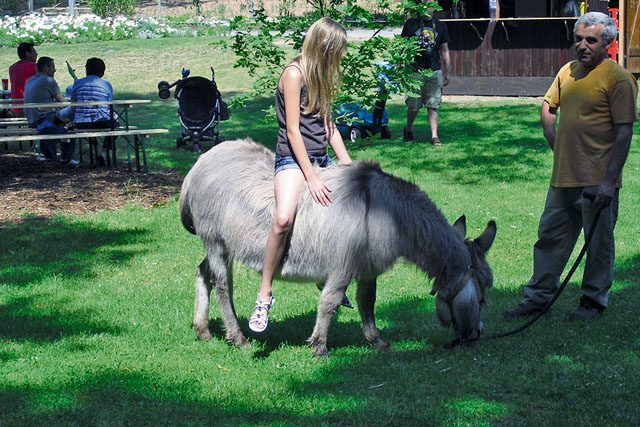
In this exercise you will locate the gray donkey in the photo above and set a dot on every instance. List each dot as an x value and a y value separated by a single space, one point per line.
227 200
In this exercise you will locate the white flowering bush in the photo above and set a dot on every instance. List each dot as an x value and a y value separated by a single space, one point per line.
75 29
200 25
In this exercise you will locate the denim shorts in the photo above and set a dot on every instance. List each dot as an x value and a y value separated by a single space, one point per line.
288 162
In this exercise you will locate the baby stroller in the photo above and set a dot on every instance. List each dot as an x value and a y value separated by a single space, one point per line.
200 108
354 121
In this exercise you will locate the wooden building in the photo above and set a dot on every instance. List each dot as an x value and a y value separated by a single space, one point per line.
520 49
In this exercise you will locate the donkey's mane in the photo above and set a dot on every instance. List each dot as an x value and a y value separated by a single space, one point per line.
433 241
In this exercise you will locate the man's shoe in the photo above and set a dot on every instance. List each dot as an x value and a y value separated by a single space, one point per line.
585 313
522 310
436 141
42 158
407 135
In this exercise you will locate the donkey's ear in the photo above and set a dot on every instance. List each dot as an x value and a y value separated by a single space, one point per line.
485 240
460 226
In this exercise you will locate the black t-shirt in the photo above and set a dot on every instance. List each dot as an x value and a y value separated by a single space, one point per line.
431 33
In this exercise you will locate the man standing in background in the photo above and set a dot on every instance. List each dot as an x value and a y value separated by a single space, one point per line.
433 39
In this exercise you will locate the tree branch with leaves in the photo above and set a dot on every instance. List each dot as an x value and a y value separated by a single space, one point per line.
260 42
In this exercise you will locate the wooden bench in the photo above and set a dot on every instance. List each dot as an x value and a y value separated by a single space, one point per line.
13 123
20 131
134 137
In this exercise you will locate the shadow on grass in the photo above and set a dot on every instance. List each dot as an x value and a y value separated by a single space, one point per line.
293 331
529 377
35 249
39 253
20 320
628 270
121 398
473 151
414 319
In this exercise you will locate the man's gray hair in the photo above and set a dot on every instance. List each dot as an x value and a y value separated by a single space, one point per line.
594 18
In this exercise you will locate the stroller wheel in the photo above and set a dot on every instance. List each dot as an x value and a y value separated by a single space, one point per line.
385 132
354 135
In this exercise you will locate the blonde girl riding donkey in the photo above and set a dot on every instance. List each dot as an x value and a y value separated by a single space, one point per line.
304 96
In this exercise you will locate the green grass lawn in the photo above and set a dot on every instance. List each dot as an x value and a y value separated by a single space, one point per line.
95 310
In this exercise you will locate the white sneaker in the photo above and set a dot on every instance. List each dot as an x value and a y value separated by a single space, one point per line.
41 158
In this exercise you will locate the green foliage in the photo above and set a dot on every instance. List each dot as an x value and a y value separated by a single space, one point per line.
260 46
112 7
95 310
198 6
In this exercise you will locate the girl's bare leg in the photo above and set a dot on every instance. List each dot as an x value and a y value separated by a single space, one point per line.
288 185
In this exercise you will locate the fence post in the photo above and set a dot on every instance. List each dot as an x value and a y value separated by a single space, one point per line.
72 7
159 9
30 6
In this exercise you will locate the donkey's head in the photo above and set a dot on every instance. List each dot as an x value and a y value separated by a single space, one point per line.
459 304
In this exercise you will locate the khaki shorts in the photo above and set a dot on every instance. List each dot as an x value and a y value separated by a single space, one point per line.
430 92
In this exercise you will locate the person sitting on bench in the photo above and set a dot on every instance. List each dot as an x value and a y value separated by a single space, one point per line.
43 88
22 71
94 88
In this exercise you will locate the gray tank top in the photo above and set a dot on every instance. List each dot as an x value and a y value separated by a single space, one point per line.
312 128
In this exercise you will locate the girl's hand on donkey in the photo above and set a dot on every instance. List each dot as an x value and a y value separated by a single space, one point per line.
320 191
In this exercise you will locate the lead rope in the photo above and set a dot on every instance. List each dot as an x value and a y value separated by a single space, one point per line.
546 308
574 267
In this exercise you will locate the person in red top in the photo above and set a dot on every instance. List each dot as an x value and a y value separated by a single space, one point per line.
22 71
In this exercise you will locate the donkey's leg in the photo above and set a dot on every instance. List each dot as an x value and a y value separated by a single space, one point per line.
221 271
215 273
346 302
366 302
202 295
330 299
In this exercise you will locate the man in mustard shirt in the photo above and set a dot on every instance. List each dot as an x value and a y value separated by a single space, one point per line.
597 100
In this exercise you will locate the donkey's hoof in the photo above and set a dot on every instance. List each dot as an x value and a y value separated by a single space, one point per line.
240 341
380 344
321 353
203 333
319 347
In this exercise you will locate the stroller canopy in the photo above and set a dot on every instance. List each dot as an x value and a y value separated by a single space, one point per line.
197 101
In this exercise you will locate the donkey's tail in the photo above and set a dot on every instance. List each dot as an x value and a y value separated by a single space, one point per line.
185 214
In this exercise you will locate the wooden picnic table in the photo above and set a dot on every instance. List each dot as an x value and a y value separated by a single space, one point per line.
122 113
119 126
134 137
117 102
11 120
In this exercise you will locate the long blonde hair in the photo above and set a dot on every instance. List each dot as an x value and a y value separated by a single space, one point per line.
324 46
